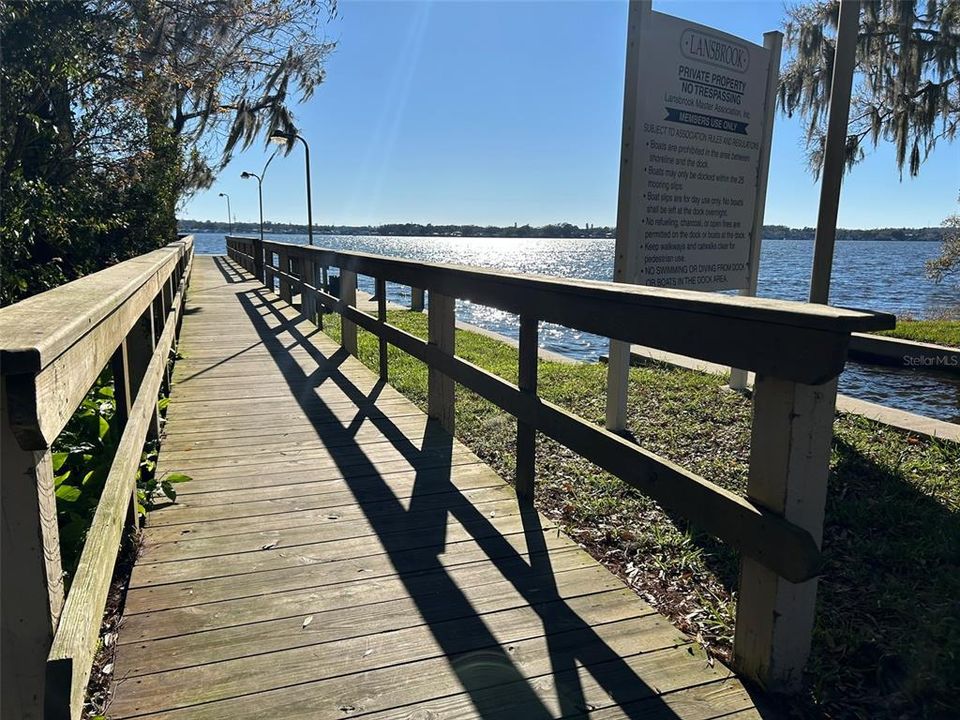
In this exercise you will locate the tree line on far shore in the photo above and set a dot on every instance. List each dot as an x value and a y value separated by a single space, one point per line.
557 230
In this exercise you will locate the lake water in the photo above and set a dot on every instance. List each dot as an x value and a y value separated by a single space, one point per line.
887 276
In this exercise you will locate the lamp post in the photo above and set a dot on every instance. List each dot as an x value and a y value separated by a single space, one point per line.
247 175
258 253
263 173
287 137
229 214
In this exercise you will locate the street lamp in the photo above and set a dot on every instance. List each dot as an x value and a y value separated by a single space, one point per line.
280 136
263 173
246 176
229 214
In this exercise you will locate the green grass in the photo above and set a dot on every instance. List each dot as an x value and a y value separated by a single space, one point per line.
939 332
887 641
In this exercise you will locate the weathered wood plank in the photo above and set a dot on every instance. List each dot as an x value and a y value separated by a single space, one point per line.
250 534
342 562
169 690
274 549
31 575
201 511
278 607
789 466
441 321
355 616
526 433
218 479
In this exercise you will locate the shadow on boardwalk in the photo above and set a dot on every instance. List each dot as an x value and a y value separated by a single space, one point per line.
484 667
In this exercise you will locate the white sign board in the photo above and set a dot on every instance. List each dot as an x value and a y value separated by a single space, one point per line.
702 99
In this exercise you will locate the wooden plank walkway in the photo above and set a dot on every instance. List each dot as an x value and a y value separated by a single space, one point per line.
337 555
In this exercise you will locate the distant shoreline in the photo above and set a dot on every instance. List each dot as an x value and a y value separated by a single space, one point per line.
547 232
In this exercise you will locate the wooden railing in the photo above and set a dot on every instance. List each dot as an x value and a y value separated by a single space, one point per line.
52 348
797 351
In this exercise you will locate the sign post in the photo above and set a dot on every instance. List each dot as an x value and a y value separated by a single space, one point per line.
834 154
773 42
692 168
628 210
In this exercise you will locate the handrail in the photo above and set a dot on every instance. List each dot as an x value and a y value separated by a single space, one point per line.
62 338
797 341
52 348
797 350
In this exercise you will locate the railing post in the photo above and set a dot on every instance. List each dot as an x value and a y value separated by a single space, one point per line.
381 293
31 576
527 434
789 466
258 259
416 299
307 300
348 294
140 347
320 280
441 329
284 263
268 270
295 268
159 318
124 392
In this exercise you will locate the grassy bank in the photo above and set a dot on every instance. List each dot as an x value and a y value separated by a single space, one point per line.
887 642
939 332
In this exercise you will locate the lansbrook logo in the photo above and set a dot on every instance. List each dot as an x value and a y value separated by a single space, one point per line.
704 47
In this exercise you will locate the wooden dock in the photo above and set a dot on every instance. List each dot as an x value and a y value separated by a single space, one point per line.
337 555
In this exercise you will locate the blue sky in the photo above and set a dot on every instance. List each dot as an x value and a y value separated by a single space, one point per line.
503 112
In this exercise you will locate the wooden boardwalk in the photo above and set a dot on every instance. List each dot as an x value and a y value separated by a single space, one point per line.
337 555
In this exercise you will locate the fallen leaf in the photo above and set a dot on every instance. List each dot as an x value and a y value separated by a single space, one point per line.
270 546
306 621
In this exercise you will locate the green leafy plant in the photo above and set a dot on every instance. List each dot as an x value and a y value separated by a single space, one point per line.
82 456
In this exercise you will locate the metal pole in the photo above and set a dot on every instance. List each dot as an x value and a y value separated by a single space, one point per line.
309 196
773 42
260 193
834 156
229 213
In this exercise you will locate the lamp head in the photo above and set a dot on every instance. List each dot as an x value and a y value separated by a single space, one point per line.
245 175
223 195
278 137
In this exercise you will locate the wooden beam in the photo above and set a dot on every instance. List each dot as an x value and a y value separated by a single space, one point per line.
348 293
441 328
286 291
789 465
416 299
31 577
527 434
381 293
